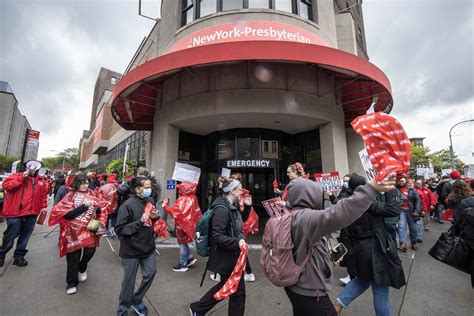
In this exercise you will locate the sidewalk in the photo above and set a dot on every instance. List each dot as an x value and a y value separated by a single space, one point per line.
39 289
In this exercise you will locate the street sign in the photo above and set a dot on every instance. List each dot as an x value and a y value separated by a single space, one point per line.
170 184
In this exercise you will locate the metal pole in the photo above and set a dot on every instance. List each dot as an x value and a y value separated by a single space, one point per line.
23 152
63 164
451 150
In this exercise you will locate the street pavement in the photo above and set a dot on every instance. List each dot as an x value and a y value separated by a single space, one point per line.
39 289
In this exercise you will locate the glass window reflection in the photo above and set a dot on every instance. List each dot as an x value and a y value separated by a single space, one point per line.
232 4
208 7
284 5
259 4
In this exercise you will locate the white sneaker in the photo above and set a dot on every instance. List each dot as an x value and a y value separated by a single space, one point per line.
82 276
345 280
215 277
71 290
249 277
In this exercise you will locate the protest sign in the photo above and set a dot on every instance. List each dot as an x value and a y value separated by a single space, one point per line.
225 172
329 181
425 172
370 172
272 207
185 172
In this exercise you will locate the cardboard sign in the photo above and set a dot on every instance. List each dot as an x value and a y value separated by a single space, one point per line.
329 181
425 172
370 172
445 172
226 172
272 208
185 172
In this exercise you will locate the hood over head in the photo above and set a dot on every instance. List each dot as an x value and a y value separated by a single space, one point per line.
305 193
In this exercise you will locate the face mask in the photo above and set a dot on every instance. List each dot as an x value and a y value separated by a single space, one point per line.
345 185
146 193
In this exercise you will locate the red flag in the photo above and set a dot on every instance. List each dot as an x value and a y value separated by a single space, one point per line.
251 224
275 184
386 142
233 281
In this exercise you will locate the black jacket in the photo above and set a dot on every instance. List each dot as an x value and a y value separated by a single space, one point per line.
466 220
226 231
372 254
136 239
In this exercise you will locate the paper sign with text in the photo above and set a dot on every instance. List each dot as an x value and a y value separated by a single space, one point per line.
330 181
370 172
185 172
272 208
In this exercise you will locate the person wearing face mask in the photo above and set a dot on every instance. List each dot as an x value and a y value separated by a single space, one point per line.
137 246
79 215
345 192
410 211
26 196
227 239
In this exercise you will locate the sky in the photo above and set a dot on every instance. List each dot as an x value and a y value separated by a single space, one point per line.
51 53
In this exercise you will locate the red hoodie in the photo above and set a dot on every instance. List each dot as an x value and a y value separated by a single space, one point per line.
24 196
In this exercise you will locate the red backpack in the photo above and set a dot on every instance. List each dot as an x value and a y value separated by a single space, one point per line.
276 259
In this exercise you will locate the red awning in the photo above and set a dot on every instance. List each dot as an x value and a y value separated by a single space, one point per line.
357 80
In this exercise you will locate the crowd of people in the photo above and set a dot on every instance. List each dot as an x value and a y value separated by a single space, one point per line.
373 221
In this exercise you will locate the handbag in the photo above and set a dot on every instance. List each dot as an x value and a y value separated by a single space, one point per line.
42 217
452 250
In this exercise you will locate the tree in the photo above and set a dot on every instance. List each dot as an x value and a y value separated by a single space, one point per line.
116 166
52 162
442 160
6 163
420 156
71 156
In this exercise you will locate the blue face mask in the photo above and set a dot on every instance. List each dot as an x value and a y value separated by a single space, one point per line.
345 185
146 193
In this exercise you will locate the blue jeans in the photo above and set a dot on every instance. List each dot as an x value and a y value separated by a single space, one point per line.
184 254
17 226
406 222
420 228
358 286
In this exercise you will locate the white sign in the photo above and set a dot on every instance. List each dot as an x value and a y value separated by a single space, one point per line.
367 164
425 172
185 172
226 172
445 172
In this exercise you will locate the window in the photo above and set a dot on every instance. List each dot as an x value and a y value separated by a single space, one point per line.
226 148
113 80
259 4
195 9
247 148
270 149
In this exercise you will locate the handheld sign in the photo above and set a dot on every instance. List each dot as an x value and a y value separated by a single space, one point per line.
370 172
329 181
185 172
226 172
272 207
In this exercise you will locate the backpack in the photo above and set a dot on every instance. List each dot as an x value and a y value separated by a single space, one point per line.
277 259
202 238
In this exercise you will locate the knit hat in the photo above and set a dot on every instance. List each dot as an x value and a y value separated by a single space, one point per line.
455 175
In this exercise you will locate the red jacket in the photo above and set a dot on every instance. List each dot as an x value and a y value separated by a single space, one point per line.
24 196
425 197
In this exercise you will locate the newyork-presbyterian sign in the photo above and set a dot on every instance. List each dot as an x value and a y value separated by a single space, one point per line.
247 31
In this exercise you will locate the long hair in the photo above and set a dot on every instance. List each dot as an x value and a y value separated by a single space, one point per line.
78 180
460 191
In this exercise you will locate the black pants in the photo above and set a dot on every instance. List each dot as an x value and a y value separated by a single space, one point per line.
77 264
236 300
310 305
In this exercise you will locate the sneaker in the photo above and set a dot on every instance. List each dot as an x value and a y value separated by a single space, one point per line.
249 277
71 290
345 280
180 268
215 277
419 241
140 309
192 261
193 313
20 262
111 232
413 246
83 276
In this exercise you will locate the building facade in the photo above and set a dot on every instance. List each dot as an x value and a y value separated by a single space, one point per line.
251 85
13 126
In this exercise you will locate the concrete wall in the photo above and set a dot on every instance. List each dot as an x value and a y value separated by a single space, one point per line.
354 145
346 33
7 109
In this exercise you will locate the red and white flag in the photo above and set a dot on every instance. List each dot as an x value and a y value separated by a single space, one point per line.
230 287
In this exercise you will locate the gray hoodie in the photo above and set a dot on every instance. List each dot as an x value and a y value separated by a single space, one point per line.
311 224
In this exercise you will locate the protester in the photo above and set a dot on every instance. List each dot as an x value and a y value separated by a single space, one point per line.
460 192
427 205
293 172
372 259
226 241
2 197
79 215
309 296
464 224
186 214
344 191
137 246
410 212
438 207
26 196
63 189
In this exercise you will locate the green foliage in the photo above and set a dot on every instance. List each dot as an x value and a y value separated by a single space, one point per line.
440 159
6 163
52 162
116 166
71 156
